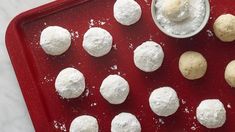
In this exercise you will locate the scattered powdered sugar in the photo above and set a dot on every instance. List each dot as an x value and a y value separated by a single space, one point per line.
209 33
183 101
74 34
229 106
186 110
114 67
93 104
193 128
115 46
87 92
131 46
60 126
197 11
91 23
161 121
101 22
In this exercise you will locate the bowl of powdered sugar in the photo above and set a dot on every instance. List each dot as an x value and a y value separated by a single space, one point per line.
180 18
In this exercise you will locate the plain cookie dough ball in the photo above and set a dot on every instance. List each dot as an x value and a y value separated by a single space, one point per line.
224 27
70 83
192 65
127 12
176 10
125 122
55 40
97 42
84 123
164 101
149 56
211 113
114 89
229 73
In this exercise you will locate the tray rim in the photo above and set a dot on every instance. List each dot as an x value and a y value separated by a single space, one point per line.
37 112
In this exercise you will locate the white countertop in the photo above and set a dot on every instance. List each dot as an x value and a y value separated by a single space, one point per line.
14 115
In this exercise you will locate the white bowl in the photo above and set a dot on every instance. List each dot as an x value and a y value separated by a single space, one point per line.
207 15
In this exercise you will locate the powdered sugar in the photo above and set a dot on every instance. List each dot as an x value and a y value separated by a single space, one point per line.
164 101
197 12
125 122
97 41
114 89
211 113
127 12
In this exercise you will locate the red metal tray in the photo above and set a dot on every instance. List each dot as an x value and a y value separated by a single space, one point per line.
36 71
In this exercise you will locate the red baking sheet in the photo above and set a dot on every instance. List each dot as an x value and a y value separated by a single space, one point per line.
36 71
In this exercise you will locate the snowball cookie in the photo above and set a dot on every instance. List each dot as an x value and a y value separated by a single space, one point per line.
211 113
127 12
84 123
192 65
224 27
125 122
229 73
176 10
55 40
70 83
97 42
148 56
114 89
164 101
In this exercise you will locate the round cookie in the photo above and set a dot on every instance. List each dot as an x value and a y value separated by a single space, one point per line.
127 12
192 65
70 83
149 56
164 101
229 73
55 40
211 113
84 123
125 122
114 89
97 42
176 10
224 27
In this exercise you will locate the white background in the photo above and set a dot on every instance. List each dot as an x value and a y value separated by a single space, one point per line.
14 115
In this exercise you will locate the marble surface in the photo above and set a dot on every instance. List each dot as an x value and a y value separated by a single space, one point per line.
14 115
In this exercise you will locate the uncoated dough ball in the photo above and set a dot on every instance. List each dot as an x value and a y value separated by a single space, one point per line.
192 65
148 56
84 123
127 12
164 101
229 73
114 89
211 113
125 122
224 27
97 42
55 40
70 83
176 10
